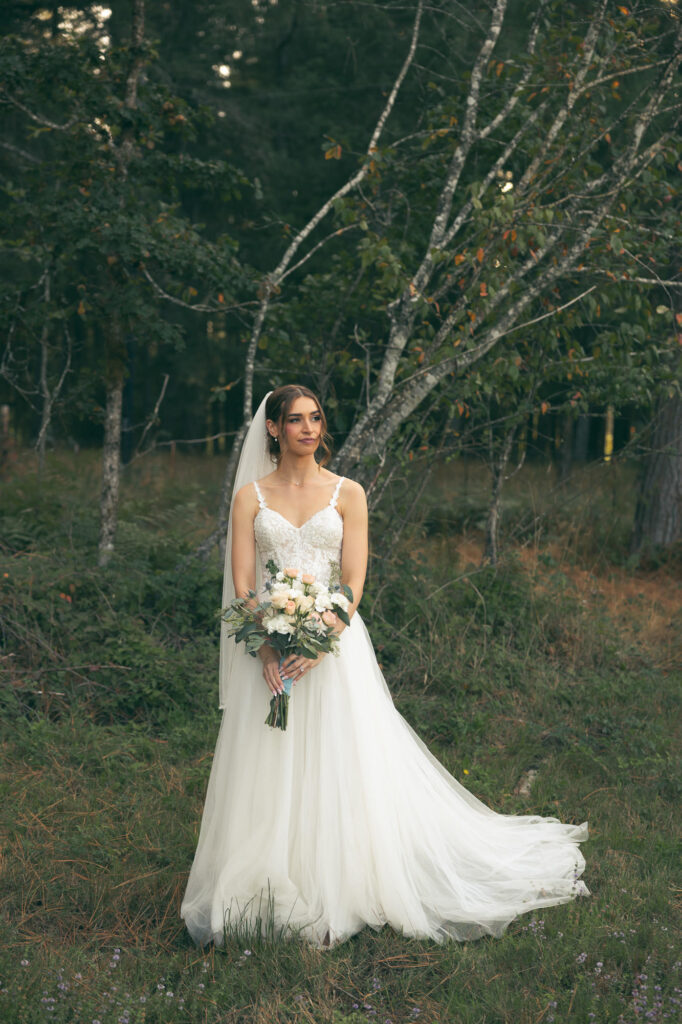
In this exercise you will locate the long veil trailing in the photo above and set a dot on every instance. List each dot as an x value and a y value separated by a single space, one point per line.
255 462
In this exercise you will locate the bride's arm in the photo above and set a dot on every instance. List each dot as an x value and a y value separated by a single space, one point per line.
243 556
243 552
355 542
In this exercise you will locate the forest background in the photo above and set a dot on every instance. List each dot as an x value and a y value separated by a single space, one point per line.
460 226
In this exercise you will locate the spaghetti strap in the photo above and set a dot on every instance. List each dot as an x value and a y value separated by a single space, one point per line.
261 499
335 496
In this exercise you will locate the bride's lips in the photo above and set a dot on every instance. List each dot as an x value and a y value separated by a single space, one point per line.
308 440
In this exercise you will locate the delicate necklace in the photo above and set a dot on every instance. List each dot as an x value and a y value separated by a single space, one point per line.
296 482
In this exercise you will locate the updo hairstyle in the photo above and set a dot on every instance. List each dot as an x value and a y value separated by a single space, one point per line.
277 409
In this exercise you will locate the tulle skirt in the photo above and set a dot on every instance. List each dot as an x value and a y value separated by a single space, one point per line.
346 819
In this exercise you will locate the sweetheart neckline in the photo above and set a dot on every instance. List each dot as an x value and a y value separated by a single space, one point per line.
308 520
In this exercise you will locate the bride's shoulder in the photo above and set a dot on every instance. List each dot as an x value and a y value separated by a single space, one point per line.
351 493
245 497
248 492
349 486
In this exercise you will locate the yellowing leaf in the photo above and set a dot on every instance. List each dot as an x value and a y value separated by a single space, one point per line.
459 258
479 255
544 407
484 288
81 308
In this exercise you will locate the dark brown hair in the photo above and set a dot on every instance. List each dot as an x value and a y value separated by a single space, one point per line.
277 408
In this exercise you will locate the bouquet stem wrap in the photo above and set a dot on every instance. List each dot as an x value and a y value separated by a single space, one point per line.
278 715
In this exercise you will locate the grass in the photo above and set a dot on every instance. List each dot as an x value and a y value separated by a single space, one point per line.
565 660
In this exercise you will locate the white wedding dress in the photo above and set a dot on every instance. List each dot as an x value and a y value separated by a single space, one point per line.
346 819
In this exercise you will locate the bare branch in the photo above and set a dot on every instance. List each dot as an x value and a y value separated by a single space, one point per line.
197 307
39 118
152 419
323 241
575 91
21 152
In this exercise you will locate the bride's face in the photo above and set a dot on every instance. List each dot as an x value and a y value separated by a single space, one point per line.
302 427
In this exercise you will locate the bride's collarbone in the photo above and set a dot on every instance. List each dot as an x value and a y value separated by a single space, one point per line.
299 504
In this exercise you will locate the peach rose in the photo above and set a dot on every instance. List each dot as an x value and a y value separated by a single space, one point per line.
307 578
291 572
290 607
329 618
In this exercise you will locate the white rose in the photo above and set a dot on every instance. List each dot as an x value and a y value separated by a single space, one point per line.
279 576
341 600
322 602
279 596
279 624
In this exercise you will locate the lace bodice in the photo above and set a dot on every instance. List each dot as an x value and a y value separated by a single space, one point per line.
313 547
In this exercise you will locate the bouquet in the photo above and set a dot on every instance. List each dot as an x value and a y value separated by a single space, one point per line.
295 614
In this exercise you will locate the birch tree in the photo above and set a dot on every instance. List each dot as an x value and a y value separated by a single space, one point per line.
509 213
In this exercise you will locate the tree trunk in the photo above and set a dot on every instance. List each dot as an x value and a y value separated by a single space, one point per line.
658 515
492 527
581 445
46 412
566 453
111 467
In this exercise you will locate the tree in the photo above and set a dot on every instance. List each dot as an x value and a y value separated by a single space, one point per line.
526 184
103 227
658 516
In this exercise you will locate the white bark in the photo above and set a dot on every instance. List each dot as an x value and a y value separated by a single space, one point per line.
272 282
111 469
391 403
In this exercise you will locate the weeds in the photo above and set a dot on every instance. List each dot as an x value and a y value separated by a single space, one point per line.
109 721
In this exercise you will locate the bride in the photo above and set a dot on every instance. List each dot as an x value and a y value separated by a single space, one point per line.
345 819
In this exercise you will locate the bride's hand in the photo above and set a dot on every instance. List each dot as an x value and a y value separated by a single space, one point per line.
271 673
295 665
